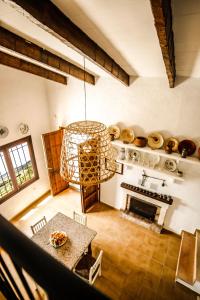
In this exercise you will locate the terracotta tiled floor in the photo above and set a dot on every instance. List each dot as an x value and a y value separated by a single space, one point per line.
137 263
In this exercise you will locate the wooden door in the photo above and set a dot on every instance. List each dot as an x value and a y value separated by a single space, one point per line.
52 143
90 195
88 159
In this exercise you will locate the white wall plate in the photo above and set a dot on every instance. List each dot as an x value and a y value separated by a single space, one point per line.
23 128
3 132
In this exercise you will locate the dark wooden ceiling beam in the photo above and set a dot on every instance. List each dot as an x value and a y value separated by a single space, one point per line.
162 13
54 21
20 64
14 42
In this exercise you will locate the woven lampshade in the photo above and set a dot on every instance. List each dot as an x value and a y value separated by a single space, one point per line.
87 156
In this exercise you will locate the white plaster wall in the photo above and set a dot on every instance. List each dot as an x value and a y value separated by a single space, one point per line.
23 99
147 105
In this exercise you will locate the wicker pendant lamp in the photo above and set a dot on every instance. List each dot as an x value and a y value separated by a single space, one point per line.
87 156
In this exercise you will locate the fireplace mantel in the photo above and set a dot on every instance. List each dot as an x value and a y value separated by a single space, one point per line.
163 207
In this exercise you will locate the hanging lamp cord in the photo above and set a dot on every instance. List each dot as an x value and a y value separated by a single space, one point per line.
84 86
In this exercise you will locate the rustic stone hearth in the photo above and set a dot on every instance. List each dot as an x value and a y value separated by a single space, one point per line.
141 215
141 221
155 225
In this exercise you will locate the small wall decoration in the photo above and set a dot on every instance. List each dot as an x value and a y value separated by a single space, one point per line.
23 128
3 132
127 135
170 165
119 167
171 145
186 148
155 140
114 132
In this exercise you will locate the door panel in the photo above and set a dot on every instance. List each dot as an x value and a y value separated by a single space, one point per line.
90 195
52 143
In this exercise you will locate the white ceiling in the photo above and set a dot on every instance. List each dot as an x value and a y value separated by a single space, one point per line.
124 29
186 22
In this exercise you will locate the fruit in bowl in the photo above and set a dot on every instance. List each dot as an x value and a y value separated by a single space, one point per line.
58 238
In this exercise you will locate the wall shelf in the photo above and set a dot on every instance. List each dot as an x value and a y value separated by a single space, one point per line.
162 172
159 168
160 152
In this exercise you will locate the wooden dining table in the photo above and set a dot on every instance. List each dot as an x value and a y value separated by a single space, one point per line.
79 239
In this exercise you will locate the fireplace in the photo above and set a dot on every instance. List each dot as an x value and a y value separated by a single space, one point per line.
142 208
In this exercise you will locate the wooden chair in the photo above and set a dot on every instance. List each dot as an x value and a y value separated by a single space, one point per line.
37 226
80 218
88 268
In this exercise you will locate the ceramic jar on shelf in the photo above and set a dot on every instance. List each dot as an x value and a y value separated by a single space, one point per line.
128 154
122 154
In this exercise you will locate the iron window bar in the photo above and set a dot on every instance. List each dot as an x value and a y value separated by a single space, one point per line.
18 167
5 177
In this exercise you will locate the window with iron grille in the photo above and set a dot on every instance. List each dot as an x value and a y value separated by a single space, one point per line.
18 167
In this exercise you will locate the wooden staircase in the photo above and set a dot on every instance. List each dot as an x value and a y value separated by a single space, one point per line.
188 266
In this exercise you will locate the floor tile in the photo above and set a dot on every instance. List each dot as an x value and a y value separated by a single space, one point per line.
137 263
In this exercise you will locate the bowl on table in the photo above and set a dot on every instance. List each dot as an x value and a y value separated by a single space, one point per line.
58 238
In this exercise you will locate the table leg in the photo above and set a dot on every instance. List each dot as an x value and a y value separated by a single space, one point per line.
90 249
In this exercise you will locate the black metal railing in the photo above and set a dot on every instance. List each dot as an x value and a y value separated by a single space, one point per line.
56 280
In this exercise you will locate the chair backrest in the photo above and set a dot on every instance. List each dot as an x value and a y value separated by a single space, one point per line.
24 254
37 226
95 270
80 218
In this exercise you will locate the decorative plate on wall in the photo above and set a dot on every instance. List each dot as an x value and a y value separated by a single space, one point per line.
115 131
127 135
170 165
186 147
171 145
3 132
134 155
155 140
23 128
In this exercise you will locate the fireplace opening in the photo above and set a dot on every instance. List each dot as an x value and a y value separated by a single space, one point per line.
143 209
